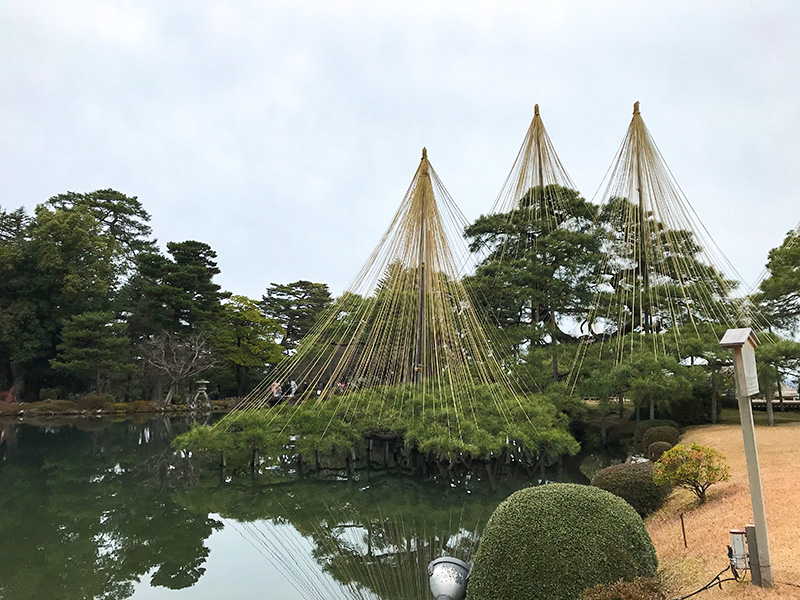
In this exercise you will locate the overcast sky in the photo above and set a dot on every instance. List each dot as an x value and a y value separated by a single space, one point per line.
285 134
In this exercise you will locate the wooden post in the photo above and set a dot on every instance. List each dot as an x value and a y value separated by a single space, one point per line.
752 552
743 342
683 529
425 182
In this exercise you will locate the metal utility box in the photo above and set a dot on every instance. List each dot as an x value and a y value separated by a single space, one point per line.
739 556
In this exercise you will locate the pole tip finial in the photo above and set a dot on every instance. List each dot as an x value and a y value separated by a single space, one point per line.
535 110
636 107
424 153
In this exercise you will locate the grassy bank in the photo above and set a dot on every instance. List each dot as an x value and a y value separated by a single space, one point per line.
65 408
708 526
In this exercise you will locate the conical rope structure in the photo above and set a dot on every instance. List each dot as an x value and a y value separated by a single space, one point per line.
403 350
662 274
539 233
537 165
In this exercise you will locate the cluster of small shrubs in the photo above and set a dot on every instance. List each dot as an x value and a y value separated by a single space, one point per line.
640 588
643 426
94 401
551 542
664 433
620 433
634 483
131 407
47 407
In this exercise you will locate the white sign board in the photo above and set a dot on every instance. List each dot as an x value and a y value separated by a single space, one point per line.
744 340
750 374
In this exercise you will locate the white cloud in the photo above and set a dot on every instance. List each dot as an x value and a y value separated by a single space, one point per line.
285 134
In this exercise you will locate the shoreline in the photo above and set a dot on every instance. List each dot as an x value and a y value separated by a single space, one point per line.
65 409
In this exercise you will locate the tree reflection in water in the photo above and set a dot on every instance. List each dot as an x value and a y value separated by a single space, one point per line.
374 538
89 510
84 514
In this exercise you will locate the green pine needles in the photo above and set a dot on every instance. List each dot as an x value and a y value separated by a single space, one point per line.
527 432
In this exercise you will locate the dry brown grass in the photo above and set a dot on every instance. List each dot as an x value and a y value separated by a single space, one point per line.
728 506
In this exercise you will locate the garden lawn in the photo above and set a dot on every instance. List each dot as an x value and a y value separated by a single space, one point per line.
707 526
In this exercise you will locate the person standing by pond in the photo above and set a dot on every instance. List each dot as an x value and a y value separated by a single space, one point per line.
276 391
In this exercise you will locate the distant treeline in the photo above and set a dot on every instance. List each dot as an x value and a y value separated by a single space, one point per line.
89 304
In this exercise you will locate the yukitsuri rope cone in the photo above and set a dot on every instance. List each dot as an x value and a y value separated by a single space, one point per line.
662 278
405 341
537 213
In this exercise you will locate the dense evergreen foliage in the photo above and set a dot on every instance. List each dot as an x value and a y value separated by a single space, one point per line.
552 542
426 432
660 434
641 588
633 482
89 303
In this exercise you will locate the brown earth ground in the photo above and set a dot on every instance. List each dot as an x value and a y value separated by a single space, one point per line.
707 526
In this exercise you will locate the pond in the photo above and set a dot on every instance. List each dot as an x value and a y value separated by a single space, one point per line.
92 509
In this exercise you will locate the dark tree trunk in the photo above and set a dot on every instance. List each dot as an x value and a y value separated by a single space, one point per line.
554 343
714 392
240 377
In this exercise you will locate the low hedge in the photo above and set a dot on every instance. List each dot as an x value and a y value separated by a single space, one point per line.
643 426
94 401
551 542
640 588
633 482
656 449
664 433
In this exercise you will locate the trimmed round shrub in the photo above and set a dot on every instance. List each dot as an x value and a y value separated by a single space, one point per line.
94 401
633 482
643 426
660 434
640 588
553 541
656 449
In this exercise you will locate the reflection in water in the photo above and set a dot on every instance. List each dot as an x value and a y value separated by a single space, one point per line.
375 539
87 511
84 514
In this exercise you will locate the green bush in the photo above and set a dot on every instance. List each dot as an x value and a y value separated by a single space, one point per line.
640 588
656 449
94 401
425 422
643 426
633 482
50 394
664 433
694 409
694 467
53 407
621 433
552 542
136 406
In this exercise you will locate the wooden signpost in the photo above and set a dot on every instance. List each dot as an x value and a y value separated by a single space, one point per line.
743 343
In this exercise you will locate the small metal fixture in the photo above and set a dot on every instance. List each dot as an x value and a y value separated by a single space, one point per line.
448 578
737 551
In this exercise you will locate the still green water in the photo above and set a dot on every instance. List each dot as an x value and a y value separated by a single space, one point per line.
101 510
